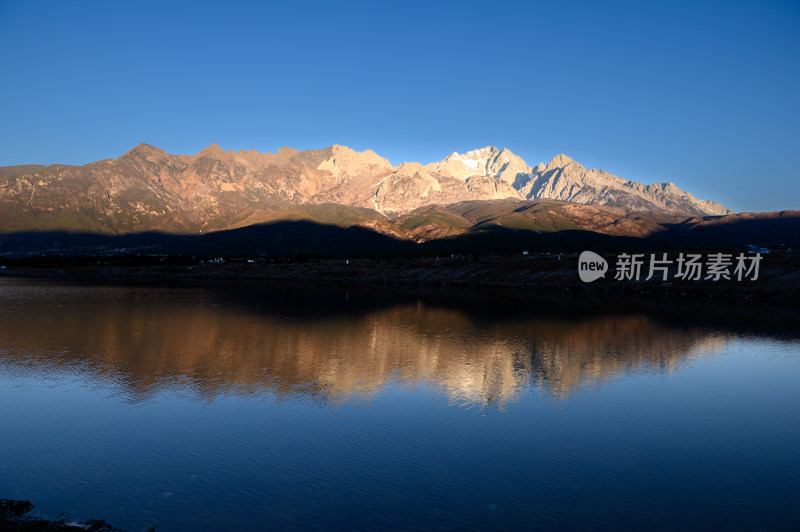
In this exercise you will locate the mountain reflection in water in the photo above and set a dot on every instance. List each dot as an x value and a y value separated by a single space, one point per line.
330 345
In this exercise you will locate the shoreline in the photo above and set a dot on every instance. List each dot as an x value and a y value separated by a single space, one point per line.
550 273
14 517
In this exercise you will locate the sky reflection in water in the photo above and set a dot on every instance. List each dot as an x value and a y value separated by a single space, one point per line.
223 406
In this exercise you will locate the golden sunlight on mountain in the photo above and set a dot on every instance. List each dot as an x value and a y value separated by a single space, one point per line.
209 352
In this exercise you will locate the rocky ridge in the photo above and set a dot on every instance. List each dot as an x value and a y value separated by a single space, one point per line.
149 189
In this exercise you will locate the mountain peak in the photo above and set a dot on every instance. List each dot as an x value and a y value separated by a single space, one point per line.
213 150
482 152
560 161
478 154
343 160
142 147
145 151
338 149
489 161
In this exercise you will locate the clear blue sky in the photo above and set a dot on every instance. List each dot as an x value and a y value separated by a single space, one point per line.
704 94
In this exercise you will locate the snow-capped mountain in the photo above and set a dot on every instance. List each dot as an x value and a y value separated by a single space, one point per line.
492 173
150 189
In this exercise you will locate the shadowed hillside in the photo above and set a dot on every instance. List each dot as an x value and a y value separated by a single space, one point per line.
264 239
470 227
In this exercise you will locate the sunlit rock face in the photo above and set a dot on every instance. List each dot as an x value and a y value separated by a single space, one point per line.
149 189
148 341
567 180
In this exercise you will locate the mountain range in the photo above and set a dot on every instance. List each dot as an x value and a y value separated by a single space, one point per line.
148 189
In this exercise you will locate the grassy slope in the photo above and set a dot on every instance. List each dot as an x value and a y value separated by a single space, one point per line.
433 215
539 216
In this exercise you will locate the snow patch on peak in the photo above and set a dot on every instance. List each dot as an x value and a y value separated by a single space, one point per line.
472 163
481 152
483 162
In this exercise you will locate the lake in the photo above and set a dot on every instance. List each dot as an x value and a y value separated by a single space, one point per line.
233 406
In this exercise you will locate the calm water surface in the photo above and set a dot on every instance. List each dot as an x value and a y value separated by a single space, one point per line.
225 407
